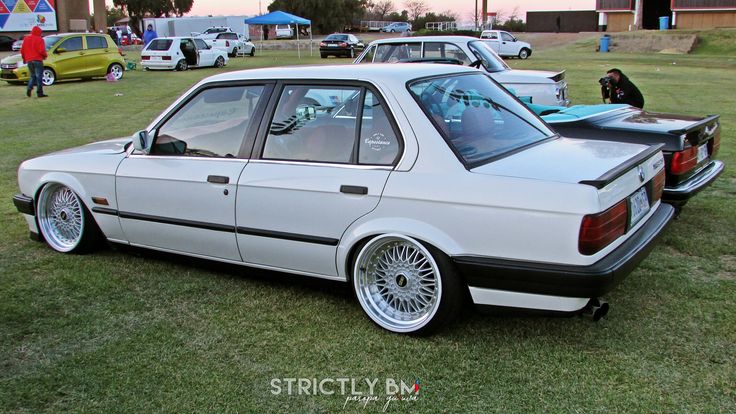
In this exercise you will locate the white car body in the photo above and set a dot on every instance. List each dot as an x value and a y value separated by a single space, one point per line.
545 88
284 31
520 210
17 45
168 52
505 44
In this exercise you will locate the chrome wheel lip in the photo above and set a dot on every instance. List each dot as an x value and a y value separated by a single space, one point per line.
117 71
374 292
60 217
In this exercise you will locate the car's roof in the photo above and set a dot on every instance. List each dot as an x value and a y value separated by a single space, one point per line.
74 34
450 39
385 72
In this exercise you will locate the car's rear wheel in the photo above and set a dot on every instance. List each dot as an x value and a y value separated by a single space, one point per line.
405 286
252 51
116 70
49 77
182 65
64 221
524 53
219 62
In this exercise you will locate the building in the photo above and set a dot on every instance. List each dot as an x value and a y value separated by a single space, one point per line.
562 21
623 15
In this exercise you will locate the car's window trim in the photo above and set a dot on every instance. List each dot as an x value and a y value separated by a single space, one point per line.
250 133
257 152
475 164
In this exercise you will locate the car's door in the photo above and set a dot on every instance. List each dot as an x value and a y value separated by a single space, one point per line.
508 45
181 196
69 58
319 169
96 58
205 54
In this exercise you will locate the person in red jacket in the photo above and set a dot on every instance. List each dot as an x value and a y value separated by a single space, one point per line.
33 53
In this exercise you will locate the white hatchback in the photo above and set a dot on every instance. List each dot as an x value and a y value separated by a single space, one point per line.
181 53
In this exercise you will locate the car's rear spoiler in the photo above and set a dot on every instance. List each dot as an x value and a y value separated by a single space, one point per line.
620 170
692 127
558 77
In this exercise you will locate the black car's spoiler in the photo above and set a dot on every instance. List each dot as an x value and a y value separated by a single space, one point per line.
692 127
620 170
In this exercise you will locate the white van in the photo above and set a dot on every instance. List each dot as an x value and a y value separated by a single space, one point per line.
284 31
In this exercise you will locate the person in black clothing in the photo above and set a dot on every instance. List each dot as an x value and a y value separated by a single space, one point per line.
620 90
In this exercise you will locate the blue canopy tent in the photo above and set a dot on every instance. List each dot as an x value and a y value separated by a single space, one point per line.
279 17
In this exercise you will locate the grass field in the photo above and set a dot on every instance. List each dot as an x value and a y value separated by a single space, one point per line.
138 332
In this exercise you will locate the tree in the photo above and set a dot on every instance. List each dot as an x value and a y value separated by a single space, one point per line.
326 15
416 8
382 9
136 9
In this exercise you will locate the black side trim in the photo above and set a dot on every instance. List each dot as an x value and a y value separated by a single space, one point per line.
177 222
621 169
103 210
566 280
288 236
24 204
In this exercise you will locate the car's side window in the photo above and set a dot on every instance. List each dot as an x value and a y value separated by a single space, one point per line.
445 50
200 44
96 42
72 44
507 37
378 141
314 123
212 124
368 56
395 52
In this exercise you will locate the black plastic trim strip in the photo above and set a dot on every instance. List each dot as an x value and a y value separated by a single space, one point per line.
103 210
24 204
288 236
354 189
623 168
177 222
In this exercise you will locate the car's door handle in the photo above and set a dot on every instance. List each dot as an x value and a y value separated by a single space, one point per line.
218 179
353 189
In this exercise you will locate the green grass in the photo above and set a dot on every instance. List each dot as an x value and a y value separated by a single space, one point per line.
130 332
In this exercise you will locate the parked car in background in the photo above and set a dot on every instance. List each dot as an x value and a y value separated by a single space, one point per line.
505 44
70 56
227 41
212 32
181 53
341 44
248 47
419 185
18 44
547 88
284 31
690 143
6 43
397 27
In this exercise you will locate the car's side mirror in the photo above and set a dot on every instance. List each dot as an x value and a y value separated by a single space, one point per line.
60 50
142 141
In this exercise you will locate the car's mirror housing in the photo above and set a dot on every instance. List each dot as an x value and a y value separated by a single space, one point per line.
142 141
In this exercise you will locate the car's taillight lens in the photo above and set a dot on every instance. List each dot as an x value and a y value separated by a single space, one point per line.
322 44
657 186
145 57
684 161
227 43
165 57
714 144
343 44
599 230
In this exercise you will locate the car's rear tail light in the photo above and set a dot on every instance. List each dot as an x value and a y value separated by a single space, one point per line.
343 44
120 51
145 57
322 44
165 57
684 161
599 230
657 186
227 43
714 144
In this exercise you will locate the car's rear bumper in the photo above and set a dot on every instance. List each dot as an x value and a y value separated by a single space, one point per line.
685 190
565 281
334 50
159 64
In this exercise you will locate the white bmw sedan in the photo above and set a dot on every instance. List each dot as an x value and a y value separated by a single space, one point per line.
420 185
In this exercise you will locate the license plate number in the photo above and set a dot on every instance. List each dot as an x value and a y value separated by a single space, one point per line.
332 45
702 153
155 57
638 205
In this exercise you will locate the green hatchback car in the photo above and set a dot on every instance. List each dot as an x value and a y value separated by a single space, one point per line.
70 56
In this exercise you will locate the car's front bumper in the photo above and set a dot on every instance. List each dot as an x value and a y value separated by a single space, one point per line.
15 75
685 190
539 281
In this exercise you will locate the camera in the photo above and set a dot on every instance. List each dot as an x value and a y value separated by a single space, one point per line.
606 81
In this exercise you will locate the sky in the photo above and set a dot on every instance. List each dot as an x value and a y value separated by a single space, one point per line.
463 8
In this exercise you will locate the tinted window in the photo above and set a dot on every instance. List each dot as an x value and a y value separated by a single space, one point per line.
96 42
71 44
445 50
228 36
477 117
313 124
394 52
159 44
337 37
378 141
200 44
212 124
50 41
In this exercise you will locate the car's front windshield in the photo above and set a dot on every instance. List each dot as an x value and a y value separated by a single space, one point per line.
490 60
478 118
50 41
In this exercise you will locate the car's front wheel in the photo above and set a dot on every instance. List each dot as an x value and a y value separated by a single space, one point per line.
116 70
64 221
49 77
405 286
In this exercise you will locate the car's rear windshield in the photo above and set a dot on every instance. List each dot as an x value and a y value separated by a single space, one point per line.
478 118
490 60
159 44
337 37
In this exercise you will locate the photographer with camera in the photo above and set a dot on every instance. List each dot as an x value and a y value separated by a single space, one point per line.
619 89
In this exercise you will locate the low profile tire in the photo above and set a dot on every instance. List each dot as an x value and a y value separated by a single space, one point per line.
219 62
524 53
234 52
253 52
182 65
116 70
49 77
404 286
64 221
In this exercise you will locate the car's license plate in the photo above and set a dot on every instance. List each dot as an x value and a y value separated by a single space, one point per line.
155 57
332 45
638 205
702 152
